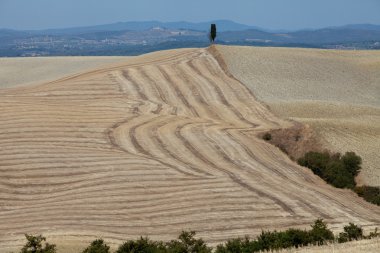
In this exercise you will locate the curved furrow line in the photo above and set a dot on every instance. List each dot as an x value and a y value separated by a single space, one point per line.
178 92
230 162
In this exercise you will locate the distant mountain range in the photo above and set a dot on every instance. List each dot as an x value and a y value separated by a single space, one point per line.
131 38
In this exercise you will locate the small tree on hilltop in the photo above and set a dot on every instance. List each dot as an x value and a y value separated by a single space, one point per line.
213 33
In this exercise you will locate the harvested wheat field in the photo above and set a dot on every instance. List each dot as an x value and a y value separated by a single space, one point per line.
337 93
158 144
42 69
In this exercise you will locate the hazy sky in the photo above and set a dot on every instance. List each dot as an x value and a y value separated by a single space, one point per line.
272 14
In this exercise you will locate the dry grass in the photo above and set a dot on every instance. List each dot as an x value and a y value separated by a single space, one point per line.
162 143
335 92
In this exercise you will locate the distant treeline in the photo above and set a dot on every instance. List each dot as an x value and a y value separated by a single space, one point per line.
133 50
319 234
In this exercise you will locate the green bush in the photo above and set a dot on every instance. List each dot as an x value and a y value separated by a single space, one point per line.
143 245
188 244
351 232
320 234
337 175
339 171
315 161
369 193
352 163
267 137
97 246
37 244
269 241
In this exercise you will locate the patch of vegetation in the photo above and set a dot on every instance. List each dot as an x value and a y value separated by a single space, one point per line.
37 244
319 234
340 171
351 232
369 193
97 246
267 137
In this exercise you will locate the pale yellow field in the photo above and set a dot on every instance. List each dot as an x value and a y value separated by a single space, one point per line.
336 92
43 69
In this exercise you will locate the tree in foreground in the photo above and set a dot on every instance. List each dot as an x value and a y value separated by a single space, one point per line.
37 244
97 246
320 234
188 244
142 245
351 232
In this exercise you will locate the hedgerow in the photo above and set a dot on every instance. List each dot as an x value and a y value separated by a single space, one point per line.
187 242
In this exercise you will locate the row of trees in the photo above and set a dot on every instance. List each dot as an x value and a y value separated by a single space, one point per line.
319 234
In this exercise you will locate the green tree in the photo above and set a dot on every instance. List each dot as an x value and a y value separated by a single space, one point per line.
97 246
37 244
213 33
353 232
369 193
143 245
337 175
188 244
320 234
352 162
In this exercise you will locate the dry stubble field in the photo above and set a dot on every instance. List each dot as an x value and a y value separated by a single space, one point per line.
337 93
158 144
42 69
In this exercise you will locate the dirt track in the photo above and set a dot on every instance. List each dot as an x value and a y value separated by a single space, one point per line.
159 144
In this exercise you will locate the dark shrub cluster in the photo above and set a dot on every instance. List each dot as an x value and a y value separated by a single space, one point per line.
369 193
97 246
267 137
37 244
339 171
186 243
270 241
351 232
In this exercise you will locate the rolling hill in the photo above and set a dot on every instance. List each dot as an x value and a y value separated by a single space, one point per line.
151 146
335 92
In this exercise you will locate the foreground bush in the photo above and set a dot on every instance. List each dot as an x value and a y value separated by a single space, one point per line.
269 241
142 245
97 246
351 232
37 244
369 193
186 243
